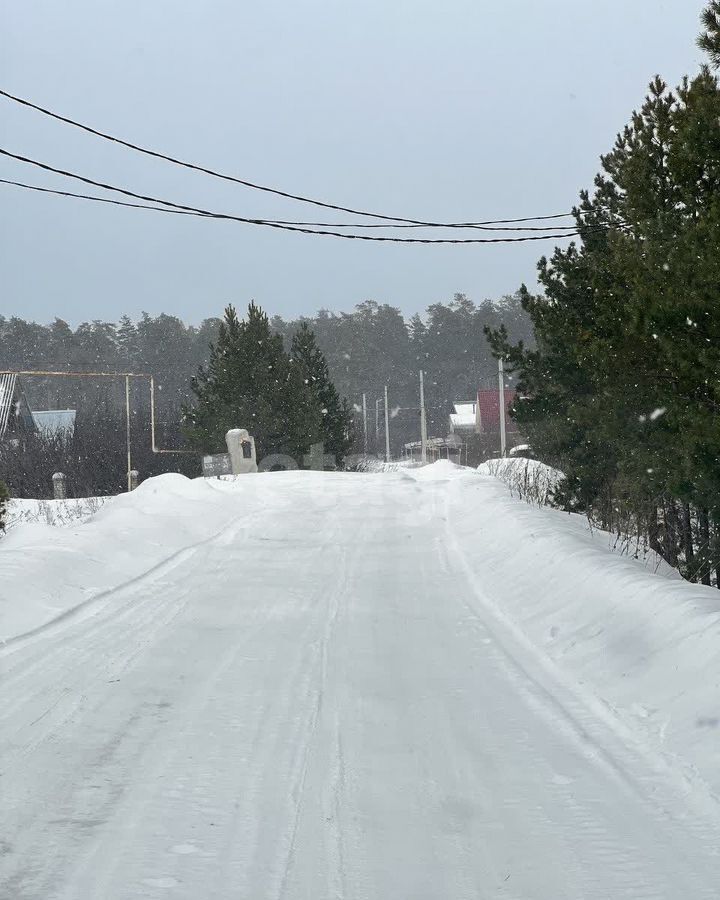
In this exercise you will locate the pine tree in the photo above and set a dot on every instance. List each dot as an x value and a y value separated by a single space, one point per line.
127 343
417 333
709 40
622 390
250 383
336 416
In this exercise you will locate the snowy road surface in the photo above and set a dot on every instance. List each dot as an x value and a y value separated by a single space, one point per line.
320 700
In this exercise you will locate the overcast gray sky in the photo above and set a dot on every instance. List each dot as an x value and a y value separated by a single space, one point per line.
460 110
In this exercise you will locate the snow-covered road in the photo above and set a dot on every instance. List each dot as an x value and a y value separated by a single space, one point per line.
324 699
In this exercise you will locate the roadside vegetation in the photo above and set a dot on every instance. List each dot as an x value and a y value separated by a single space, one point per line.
621 391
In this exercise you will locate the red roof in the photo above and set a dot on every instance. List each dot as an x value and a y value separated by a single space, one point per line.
489 410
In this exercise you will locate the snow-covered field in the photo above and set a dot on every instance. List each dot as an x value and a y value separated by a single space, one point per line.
326 685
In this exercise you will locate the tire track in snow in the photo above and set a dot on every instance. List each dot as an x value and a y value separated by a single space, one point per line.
86 607
244 849
118 633
347 569
104 638
68 671
310 727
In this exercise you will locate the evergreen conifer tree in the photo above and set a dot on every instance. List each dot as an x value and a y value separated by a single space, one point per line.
336 416
251 383
622 390
709 39
126 333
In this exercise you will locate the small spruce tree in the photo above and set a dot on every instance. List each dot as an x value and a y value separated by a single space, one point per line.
251 383
336 416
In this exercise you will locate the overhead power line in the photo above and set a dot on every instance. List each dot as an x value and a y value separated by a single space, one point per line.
194 210
185 212
44 190
270 190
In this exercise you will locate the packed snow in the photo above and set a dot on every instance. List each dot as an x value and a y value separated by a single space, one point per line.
307 685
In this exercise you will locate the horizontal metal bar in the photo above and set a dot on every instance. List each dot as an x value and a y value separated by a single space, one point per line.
82 374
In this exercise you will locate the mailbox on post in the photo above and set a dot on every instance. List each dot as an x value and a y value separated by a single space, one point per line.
216 465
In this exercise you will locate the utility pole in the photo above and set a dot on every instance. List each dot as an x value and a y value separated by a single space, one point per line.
501 400
377 424
364 412
127 432
423 421
387 429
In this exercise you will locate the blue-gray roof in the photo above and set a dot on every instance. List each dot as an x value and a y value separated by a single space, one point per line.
53 421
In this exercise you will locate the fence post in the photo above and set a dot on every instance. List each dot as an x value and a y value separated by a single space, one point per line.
59 486
134 477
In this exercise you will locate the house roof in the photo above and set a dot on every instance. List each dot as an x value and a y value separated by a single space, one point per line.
489 407
465 407
53 421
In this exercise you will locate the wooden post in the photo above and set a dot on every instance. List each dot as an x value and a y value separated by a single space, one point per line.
127 432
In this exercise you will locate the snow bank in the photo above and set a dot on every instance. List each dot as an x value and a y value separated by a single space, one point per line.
527 479
52 512
646 646
437 471
535 482
374 465
46 572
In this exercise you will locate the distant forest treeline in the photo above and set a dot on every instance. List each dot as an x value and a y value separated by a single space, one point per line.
365 350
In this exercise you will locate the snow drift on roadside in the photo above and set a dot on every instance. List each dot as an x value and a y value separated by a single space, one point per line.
528 479
647 646
46 571
536 482
52 512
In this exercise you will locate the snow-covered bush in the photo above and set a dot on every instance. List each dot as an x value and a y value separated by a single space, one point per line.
528 479
51 512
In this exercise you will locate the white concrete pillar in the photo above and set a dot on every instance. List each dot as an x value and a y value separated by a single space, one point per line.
241 447
59 486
